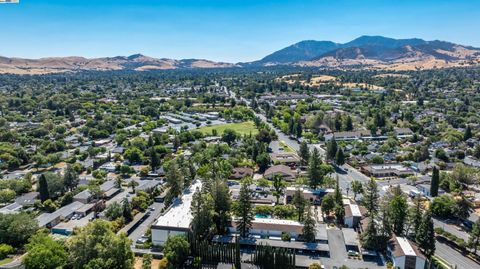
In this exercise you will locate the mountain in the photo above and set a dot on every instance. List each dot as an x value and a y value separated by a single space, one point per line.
136 62
300 51
375 52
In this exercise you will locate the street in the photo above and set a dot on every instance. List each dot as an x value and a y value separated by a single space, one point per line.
143 227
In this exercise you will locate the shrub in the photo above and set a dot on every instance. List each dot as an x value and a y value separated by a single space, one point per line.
5 250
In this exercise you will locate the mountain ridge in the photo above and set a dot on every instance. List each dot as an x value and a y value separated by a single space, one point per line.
376 52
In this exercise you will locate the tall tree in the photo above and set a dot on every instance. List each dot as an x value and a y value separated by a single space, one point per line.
416 214
43 188
154 159
174 181
435 182
127 210
463 208
468 133
309 226
331 149
304 152
474 238
70 178
340 157
426 235
370 198
244 210
398 210
202 212
279 187
369 238
176 251
357 188
222 205
299 202
315 173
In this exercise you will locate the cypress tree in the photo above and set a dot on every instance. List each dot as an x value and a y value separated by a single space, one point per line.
43 188
340 157
426 235
435 182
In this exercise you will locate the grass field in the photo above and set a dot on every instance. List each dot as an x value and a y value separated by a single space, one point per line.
242 128
5 261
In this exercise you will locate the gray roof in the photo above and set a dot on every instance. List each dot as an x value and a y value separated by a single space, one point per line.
85 194
64 212
350 236
27 198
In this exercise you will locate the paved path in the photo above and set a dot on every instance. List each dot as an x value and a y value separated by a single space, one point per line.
454 257
143 227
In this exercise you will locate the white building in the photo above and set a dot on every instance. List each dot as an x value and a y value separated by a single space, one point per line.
352 215
177 220
267 227
405 255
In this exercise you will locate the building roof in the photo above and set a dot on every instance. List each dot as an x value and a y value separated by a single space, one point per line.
179 215
280 169
65 211
352 210
85 194
400 246
285 157
27 198
241 172
350 237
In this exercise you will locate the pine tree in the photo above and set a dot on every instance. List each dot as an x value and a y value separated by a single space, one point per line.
426 235
398 211
299 202
468 133
127 210
315 174
416 214
43 188
304 152
474 238
70 178
309 226
339 157
244 210
348 123
371 197
154 159
279 186
435 182
331 149
370 236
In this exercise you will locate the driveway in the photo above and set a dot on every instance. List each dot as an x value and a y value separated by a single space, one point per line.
143 227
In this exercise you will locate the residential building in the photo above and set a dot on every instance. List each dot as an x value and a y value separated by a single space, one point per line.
284 171
404 254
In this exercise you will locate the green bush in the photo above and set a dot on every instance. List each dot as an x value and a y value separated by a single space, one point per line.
5 250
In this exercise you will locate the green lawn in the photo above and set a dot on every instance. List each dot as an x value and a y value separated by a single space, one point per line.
5 261
242 128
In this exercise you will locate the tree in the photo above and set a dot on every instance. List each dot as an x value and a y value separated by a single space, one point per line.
222 204
331 149
443 206
279 186
70 178
464 208
7 195
263 161
468 133
299 202
315 175
426 235
328 204
97 246
113 211
43 252
309 227
229 136
5 250
416 214
369 238
435 182
339 157
244 210
176 251
474 238
174 181
16 229
348 123
370 199
154 159
398 210
147 261
304 152
43 188
357 188
203 213
126 210
315 265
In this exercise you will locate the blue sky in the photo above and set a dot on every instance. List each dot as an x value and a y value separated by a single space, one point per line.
229 31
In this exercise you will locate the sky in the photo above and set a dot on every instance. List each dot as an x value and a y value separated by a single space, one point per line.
229 31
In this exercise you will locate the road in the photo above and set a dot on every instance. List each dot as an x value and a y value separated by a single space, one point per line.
454 257
143 227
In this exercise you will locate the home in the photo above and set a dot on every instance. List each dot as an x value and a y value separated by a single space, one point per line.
386 170
425 189
241 172
286 158
404 254
353 215
83 196
314 196
49 220
27 199
282 170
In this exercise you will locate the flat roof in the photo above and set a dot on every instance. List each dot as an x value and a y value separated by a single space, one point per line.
355 210
276 221
405 246
350 237
179 215
321 232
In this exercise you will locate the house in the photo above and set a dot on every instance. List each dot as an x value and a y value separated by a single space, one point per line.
241 172
108 166
286 158
282 170
469 160
159 172
404 254
269 227
83 196
386 170
425 189
49 220
314 196
403 132
109 189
